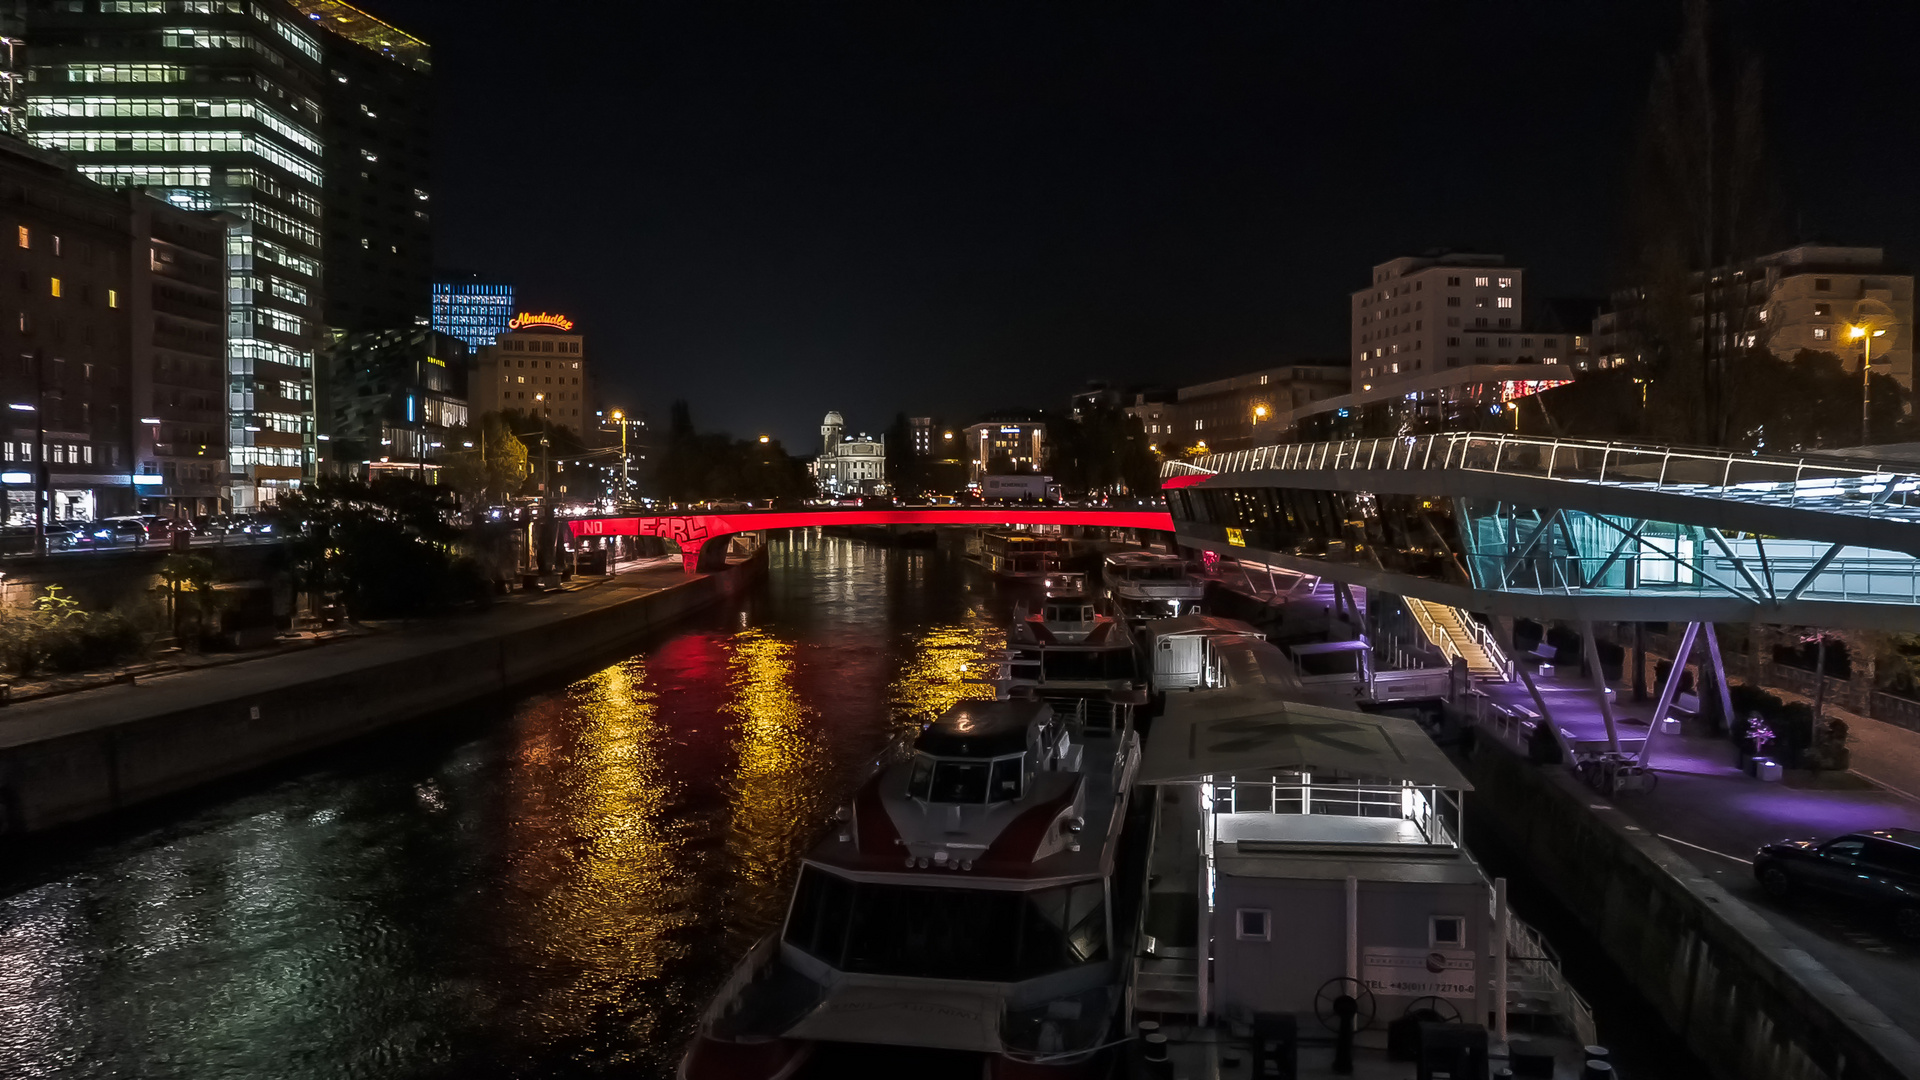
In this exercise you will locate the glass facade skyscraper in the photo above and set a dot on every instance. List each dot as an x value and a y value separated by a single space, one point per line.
471 309
209 105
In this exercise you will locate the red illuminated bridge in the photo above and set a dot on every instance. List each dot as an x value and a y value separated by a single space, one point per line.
703 535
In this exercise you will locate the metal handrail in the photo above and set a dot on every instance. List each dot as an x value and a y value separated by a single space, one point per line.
1696 470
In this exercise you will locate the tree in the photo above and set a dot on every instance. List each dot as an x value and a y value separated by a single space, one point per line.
696 466
487 463
1703 204
386 547
905 473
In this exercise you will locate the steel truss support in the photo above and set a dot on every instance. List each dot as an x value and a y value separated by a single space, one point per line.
1678 562
1600 686
1669 689
1821 564
1759 590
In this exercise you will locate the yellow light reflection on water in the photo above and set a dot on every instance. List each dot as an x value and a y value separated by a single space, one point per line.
598 865
947 665
780 792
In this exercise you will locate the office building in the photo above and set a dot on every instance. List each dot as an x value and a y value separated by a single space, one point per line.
115 348
921 428
1444 312
1807 297
376 122
1241 411
537 367
393 400
848 464
210 105
472 308
177 307
1006 444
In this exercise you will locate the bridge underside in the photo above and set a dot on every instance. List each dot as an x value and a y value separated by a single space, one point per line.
703 537
1524 546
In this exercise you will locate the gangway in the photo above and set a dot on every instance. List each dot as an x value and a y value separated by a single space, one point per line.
1459 636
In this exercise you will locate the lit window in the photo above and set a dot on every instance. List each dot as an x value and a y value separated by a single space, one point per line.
1506 283
113 298
1506 301
1479 283
56 286
56 245
25 237
1819 333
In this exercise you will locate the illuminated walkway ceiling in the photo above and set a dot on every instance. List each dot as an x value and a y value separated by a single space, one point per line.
1558 528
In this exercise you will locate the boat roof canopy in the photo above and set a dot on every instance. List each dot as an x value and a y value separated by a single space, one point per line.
1186 625
1234 734
982 729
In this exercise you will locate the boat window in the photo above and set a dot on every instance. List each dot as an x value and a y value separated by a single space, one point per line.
1006 779
1070 664
947 933
920 784
959 781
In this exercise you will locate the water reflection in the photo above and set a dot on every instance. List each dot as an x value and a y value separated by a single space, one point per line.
552 890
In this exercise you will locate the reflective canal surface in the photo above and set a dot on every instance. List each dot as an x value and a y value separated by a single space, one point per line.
548 888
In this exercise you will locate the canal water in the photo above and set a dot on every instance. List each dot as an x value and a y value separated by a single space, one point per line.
550 887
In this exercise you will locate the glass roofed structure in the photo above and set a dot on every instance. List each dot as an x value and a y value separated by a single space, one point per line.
1566 529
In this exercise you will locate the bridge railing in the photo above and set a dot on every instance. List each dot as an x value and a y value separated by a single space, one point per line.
1838 484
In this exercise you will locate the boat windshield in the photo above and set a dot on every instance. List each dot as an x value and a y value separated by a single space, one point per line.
946 781
993 935
1156 572
1079 665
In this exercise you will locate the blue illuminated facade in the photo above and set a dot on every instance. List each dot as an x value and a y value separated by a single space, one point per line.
473 310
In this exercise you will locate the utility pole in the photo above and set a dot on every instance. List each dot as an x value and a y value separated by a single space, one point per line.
41 480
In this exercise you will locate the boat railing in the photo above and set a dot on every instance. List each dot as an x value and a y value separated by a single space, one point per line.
1534 978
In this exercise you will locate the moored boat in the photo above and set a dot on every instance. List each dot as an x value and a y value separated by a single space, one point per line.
977 900
1142 585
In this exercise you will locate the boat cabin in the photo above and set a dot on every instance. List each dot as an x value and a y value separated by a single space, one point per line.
1324 846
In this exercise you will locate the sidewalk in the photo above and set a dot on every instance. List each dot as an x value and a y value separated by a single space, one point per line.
187 687
1716 815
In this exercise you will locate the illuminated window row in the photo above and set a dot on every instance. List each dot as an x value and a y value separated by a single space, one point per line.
280 223
175 142
211 108
114 73
172 7
244 352
298 38
281 456
146 175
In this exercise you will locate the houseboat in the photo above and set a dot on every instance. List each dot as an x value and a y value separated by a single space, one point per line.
1070 654
1142 585
1311 910
1013 556
971 911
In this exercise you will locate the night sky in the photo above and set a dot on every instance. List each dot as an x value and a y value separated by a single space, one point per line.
776 209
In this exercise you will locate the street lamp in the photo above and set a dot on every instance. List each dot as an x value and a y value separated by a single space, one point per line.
1865 337
620 418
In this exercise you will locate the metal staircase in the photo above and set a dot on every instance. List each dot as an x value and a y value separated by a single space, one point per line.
1458 636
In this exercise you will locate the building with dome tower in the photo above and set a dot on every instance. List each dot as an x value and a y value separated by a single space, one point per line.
849 464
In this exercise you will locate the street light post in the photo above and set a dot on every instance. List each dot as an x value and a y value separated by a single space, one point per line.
620 418
1866 337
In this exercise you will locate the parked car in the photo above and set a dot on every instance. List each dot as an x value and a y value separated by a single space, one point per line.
1878 869
114 531
164 529
211 525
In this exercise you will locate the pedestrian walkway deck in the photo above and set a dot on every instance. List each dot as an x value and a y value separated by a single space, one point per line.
1715 815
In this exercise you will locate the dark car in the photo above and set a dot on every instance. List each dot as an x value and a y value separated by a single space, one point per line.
117 530
1878 869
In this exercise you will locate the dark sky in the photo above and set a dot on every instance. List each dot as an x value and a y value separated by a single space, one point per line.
776 209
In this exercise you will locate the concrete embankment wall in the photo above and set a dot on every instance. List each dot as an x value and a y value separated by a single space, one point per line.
1746 1002
74 777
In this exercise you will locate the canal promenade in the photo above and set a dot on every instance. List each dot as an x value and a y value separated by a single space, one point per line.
74 756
